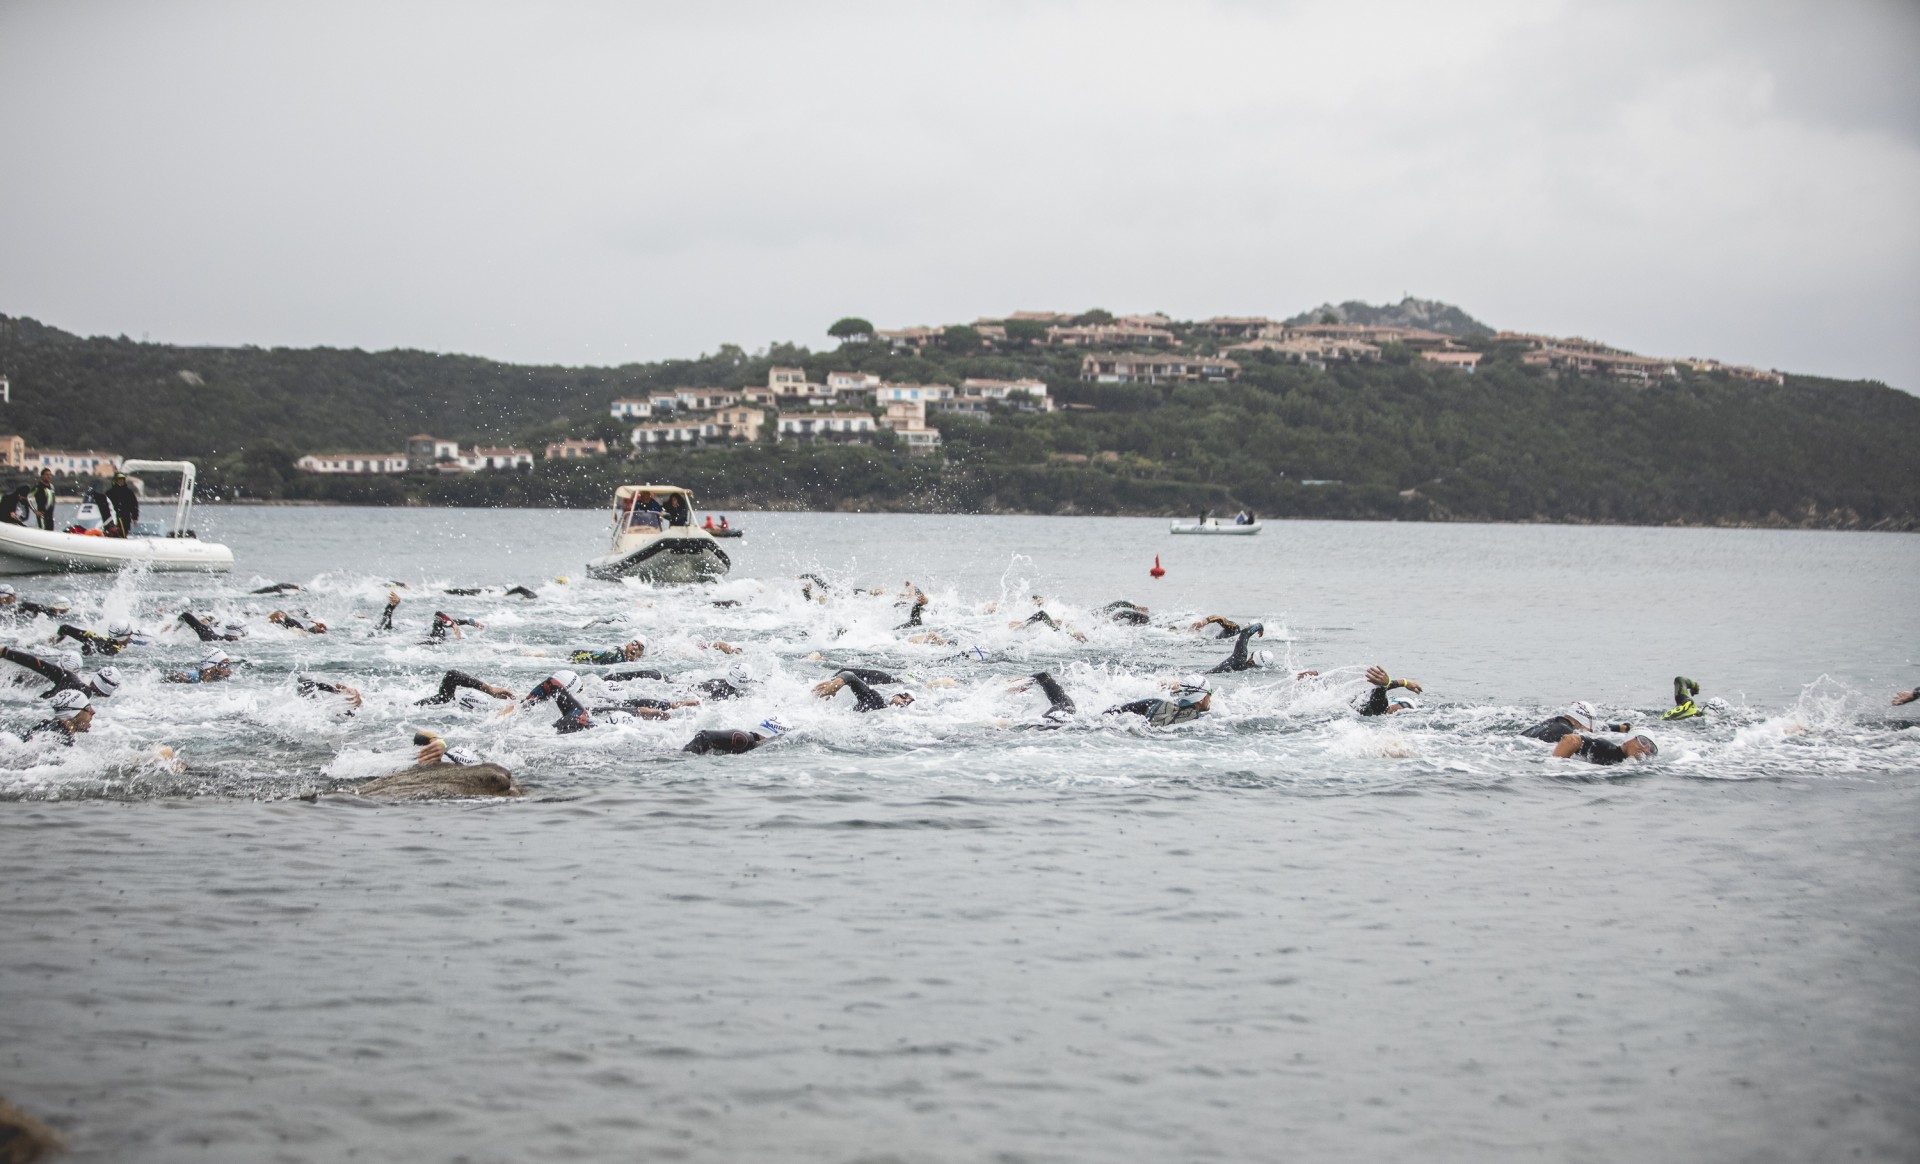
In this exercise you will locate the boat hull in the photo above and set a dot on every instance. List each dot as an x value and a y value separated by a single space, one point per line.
1226 531
39 551
664 559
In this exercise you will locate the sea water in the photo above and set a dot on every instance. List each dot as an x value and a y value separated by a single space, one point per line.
937 934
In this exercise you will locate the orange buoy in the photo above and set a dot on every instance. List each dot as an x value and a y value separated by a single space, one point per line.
1158 570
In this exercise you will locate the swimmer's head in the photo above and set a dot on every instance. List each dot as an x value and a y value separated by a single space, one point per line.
904 699
1403 704
106 681
634 649
119 629
1641 748
739 674
235 626
7 593
1193 686
69 659
473 700
70 703
564 680
214 658
1263 658
773 725
1581 712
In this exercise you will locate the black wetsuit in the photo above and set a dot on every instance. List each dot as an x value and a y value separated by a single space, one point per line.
61 678
278 588
573 717
42 500
207 633
629 676
385 622
870 674
866 698
1376 702
719 689
632 707
1599 751
1159 712
728 742
313 687
1552 730
1241 659
292 623
597 658
450 686
1042 616
442 623
22 606
1125 612
809 581
1228 628
913 616
91 643
126 507
59 727
1059 703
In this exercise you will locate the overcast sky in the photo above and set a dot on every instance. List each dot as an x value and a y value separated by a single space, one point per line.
599 183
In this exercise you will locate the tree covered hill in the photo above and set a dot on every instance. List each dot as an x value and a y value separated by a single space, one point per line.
1401 439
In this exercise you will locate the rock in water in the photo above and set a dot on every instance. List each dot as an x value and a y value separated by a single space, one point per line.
441 782
24 1139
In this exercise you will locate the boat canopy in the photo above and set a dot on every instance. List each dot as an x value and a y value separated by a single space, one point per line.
183 504
621 494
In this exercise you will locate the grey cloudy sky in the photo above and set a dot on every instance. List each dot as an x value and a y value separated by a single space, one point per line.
597 183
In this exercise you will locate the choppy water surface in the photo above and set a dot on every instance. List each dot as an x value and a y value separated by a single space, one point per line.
933 935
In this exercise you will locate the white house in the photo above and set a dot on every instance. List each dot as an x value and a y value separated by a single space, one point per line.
704 399
834 426
482 460
1026 395
895 393
357 463
672 432
632 409
65 463
853 381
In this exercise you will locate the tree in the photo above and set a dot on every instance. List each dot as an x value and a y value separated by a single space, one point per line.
852 329
1097 316
1026 331
960 339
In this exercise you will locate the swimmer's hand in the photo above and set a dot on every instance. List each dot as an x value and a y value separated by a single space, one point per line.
1906 697
1307 675
433 753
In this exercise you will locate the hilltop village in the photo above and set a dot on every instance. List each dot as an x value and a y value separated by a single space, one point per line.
855 407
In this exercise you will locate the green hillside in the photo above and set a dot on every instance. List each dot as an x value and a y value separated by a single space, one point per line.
1399 439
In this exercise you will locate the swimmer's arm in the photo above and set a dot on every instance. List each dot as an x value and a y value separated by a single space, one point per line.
1906 697
1569 744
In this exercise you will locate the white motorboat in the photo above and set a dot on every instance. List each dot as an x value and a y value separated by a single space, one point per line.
647 545
1215 526
158 545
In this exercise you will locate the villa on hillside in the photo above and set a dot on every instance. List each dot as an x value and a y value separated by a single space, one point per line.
631 408
13 452
425 451
1458 361
1111 336
576 450
1025 395
1133 368
353 463
66 463
846 427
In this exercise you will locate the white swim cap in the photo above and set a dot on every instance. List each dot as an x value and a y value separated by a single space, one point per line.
119 629
1194 684
1581 712
214 658
69 659
236 626
6 591
69 703
106 681
473 700
773 725
1263 658
1408 703
739 674
565 680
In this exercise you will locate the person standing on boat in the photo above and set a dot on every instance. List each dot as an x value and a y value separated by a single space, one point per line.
126 505
42 498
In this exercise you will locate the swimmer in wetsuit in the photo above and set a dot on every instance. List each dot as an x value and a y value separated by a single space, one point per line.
1243 659
118 638
314 688
232 632
443 623
1579 717
1902 698
735 742
622 654
12 603
559 687
214 667
104 683
278 588
865 697
1376 702
1684 689
1125 613
454 682
1228 628
1060 705
312 626
1598 751
1192 698
919 607
739 679
72 714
